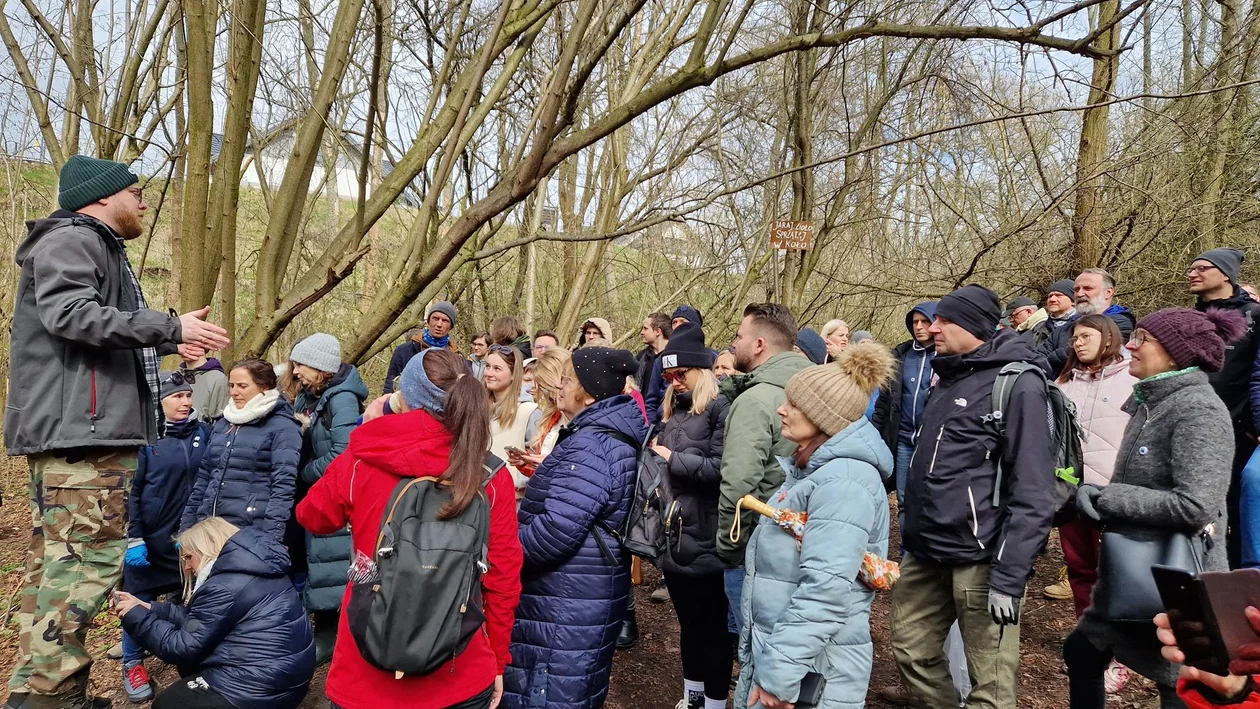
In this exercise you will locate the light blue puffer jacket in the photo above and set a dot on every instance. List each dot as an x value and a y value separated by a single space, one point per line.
804 609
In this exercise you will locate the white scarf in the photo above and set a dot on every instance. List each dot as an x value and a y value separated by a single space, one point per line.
253 410
203 573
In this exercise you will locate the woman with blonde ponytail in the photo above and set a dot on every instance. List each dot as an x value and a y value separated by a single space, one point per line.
804 610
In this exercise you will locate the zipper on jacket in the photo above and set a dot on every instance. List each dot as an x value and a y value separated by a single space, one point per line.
93 412
936 449
975 519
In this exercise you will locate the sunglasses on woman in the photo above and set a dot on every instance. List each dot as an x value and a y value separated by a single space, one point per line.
674 376
183 376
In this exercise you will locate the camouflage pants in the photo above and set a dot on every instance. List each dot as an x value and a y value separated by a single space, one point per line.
78 539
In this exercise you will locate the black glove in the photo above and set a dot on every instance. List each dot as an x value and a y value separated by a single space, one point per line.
1087 501
1003 608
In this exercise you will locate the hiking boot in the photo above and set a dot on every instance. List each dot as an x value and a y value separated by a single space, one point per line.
325 640
115 652
895 695
76 698
661 594
629 634
136 682
1060 590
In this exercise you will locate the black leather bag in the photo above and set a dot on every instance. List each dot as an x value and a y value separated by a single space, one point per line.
1124 570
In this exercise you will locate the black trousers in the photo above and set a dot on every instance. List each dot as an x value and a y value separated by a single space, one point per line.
191 693
481 701
700 603
1086 665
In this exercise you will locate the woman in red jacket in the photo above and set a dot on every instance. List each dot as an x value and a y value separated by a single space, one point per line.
437 400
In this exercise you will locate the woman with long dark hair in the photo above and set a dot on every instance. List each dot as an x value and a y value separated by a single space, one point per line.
437 424
249 473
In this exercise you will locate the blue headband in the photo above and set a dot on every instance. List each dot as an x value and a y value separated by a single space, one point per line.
418 390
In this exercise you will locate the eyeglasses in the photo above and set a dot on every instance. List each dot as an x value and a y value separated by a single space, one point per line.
674 376
1200 270
504 349
1141 337
1085 337
137 193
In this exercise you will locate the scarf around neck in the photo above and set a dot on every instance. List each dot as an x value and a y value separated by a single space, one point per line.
253 410
439 342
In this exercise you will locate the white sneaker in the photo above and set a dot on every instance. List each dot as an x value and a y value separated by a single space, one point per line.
1115 677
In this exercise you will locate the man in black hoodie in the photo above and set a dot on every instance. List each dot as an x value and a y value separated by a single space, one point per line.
978 508
1213 278
83 399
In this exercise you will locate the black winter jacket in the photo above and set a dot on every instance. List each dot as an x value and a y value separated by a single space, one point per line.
244 630
1055 349
1233 383
76 377
248 475
951 517
163 482
696 442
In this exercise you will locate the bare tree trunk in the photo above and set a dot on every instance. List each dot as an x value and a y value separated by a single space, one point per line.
1087 219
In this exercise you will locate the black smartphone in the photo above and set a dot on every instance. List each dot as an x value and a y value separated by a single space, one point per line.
811 690
1192 619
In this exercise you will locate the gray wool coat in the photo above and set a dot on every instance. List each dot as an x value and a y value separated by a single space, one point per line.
1172 473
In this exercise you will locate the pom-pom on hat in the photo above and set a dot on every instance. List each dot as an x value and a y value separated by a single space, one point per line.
837 394
602 371
1192 338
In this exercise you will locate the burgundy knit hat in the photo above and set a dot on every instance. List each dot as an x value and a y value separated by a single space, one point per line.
1192 338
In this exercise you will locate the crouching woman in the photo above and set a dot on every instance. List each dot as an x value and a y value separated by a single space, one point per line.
242 641
805 610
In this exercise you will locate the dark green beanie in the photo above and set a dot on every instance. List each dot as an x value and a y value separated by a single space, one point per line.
85 180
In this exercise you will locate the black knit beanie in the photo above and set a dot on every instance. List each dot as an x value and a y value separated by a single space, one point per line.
1066 286
602 371
686 349
974 308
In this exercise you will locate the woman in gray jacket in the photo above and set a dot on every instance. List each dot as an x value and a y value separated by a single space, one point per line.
804 609
1171 475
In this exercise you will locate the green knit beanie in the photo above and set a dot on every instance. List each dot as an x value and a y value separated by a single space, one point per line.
85 180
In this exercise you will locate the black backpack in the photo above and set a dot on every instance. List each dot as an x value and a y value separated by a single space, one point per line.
424 607
645 531
1065 432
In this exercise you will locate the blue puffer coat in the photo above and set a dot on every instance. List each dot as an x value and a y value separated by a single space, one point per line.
804 609
572 599
247 476
334 415
163 482
244 629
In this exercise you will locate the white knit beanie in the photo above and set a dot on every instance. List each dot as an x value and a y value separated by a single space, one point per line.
319 351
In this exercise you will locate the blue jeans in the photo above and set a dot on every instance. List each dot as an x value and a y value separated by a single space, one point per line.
905 452
132 652
734 582
1249 511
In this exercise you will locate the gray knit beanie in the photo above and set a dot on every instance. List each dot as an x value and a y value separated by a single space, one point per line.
319 351
84 180
444 307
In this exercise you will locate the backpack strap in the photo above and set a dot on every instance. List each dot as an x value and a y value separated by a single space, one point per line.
1002 388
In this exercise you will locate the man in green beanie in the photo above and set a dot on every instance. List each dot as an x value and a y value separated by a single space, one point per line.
83 390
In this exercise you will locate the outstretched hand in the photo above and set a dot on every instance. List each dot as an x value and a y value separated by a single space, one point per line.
206 335
1229 686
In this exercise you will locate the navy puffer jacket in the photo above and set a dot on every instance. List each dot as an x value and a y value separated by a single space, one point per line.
695 442
244 629
163 482
248 475
572 598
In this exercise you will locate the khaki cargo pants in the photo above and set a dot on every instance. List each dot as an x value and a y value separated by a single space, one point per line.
78 540
925 603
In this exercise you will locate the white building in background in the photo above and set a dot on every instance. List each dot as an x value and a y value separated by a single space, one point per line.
270 164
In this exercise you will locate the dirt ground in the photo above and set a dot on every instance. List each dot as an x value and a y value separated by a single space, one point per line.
646 677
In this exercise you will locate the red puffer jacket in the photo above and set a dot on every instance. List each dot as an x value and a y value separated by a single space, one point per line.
355 489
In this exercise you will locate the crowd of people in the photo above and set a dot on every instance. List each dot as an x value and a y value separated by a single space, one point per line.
223 512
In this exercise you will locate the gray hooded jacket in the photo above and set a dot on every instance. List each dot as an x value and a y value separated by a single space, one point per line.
75 377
